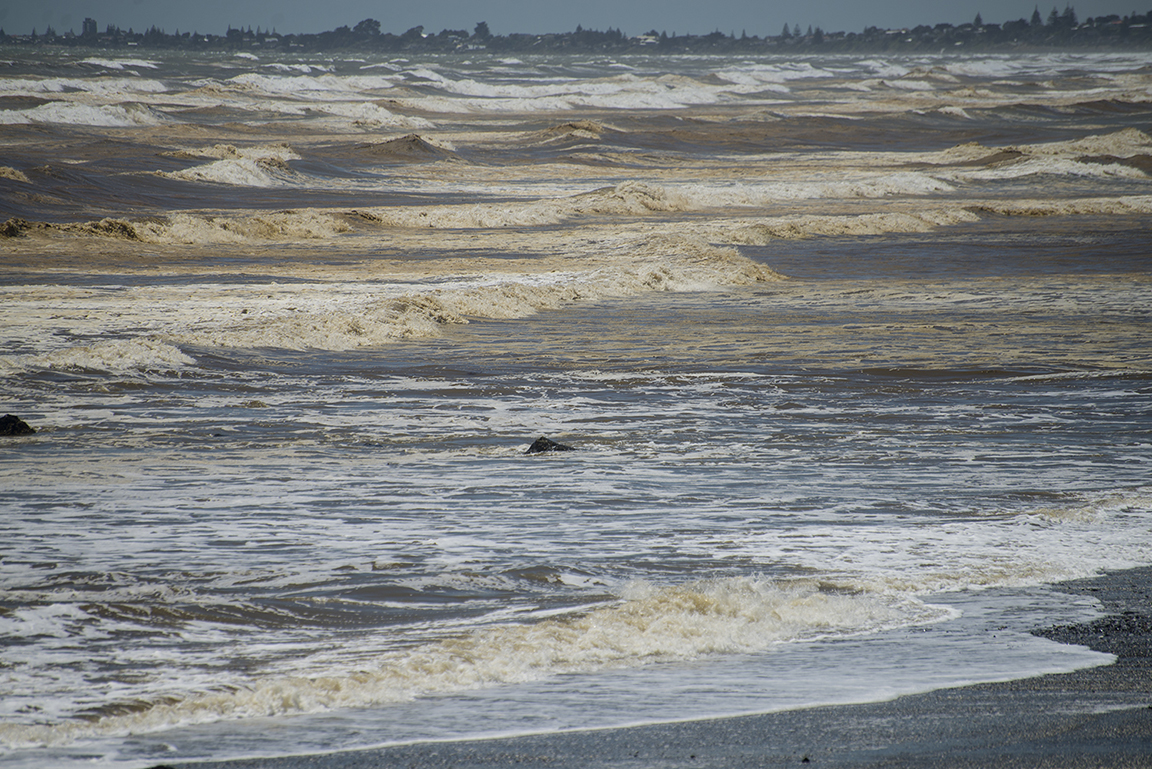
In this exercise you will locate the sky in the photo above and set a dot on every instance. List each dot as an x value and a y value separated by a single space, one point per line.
633 17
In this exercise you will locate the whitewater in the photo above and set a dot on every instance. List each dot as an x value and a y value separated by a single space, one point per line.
853 351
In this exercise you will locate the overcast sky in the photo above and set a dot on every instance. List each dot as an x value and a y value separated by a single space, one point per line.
755 17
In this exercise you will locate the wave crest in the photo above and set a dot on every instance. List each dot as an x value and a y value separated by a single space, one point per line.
238 171
345 317
114 356
197 229
799 227
1134 204
649 624
126 115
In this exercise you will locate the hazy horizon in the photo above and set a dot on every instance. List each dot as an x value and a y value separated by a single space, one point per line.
512 16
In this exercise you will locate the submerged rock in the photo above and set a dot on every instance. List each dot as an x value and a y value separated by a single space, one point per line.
542 444
14 425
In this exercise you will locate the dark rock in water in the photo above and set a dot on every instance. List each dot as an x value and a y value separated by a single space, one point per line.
13 425
542 444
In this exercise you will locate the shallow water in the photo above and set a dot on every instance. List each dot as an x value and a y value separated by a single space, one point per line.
854 353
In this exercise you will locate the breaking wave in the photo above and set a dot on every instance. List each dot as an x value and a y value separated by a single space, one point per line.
648 625
348 317
263 165
281 151
109 87
127 115
304 86
366 113
1123 143
638 199
1134 204
240 171
113 356
8 172
203 229
797 227
1126 153
119 64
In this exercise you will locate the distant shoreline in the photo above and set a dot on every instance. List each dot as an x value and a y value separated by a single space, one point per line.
1060 32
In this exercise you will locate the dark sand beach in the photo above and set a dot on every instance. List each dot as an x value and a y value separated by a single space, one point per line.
1099 717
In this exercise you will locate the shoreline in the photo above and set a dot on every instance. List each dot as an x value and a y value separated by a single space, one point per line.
1095 717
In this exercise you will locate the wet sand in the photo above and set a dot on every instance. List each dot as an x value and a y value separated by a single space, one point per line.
1100 717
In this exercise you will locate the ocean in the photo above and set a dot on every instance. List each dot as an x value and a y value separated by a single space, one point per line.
854 354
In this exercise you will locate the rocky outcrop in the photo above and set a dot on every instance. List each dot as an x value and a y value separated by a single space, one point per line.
14 425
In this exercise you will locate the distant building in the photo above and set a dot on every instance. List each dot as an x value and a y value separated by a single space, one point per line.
89 29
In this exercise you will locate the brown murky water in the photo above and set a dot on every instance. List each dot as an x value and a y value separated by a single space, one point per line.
854 351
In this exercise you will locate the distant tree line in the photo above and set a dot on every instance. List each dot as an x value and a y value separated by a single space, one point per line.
1060 29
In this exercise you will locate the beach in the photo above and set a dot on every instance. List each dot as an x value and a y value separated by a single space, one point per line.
852 352
1097 717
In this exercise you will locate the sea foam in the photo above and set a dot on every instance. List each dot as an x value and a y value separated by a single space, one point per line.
74 113
647 625
116 355
344 317
242 172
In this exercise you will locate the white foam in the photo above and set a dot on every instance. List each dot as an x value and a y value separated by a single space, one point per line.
1134 204
120 64
625 91
392 66
955 112
334 315
1049 165
907 85
282 225
764 194
119 88
639 199
1124 143
993 66
305 69
282 152
424 471
374 114
760 73
349 316
74 113
884 68
796 227
241 171
650 624
309 86
118 355
1042 65
1081 540
8 172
